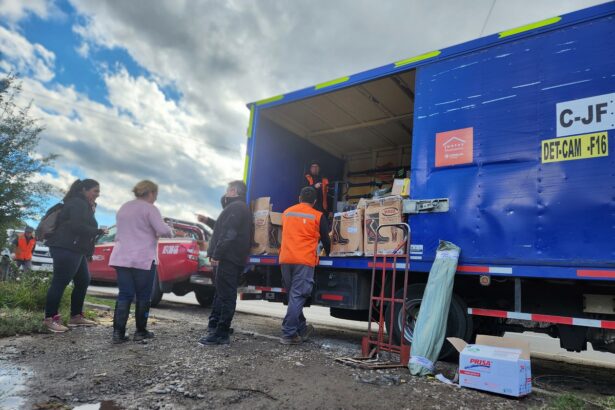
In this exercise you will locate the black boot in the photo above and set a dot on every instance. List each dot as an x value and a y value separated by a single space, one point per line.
337 234
120 317
373 222
141 315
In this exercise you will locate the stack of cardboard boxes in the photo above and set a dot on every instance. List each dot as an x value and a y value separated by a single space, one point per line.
267 228
353 233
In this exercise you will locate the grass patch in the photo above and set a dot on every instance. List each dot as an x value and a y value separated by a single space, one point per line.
22 304
100 301
608 402
28 293
16 321
567 402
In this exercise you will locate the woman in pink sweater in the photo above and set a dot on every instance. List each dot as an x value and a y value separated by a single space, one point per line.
139 225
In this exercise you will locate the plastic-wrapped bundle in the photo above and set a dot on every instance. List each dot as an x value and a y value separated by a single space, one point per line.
430 327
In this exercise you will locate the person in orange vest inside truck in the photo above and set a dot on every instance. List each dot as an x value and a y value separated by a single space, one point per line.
24 246
321 185
302 228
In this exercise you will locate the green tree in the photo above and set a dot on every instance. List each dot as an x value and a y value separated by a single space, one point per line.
20 196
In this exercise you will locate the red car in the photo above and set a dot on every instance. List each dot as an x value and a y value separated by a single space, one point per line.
181 266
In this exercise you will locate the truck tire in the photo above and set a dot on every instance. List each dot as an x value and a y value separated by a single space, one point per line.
459 323
205 295
156 292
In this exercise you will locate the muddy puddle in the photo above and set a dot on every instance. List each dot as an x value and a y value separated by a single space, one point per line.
103 405
12 384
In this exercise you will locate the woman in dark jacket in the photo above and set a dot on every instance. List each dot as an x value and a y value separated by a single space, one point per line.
70 245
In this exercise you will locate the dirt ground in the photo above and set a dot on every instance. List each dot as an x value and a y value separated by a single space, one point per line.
254 372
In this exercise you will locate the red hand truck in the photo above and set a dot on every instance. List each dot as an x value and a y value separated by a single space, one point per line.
386 267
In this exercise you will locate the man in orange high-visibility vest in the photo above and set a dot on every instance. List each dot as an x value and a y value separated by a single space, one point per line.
302 228
24 247
321 184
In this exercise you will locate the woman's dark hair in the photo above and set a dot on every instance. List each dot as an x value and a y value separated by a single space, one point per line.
80 185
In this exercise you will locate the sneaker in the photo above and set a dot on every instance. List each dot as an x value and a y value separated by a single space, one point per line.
295 340
53 324
209 340
215 339
80 320
307 333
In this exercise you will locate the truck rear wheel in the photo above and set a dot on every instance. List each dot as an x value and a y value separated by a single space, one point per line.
156 292
459 323
204 295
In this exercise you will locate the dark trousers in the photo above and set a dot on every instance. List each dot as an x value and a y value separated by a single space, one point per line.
225 299
133 282
298 281
67 266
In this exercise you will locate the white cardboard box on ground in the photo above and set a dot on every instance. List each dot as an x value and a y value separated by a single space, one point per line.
495 364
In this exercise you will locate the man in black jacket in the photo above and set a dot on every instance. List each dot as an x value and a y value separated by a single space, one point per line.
228 251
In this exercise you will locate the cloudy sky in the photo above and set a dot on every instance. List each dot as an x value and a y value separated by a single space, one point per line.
157 89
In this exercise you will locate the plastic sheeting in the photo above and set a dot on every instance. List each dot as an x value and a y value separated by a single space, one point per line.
430 327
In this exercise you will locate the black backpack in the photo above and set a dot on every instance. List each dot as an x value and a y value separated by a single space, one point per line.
47 225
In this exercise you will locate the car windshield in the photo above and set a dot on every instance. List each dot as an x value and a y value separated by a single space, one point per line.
185 232
109 237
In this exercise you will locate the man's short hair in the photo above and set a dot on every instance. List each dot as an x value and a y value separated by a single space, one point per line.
239 186
308 195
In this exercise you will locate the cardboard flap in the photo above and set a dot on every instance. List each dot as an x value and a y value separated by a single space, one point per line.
458 344
276 218
506 343
262 204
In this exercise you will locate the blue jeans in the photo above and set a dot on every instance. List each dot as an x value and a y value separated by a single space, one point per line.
298 281
132 281
67 266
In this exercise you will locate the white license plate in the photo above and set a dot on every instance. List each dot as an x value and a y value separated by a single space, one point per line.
47 266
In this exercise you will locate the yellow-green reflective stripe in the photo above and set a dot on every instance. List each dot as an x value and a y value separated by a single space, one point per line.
246 167
270 100
530 26
418 58
332 82
251 121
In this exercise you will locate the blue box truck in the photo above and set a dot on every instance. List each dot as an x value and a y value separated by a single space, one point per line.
508 141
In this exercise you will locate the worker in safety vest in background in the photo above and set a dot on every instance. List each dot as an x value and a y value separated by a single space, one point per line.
24 246
321 184
302 228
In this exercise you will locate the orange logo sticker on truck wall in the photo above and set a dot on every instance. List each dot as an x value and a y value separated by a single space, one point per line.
455 147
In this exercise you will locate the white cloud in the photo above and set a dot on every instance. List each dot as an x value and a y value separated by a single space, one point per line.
28 59
83 50
143 135
12 11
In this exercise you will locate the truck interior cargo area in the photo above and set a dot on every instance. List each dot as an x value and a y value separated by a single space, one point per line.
361 135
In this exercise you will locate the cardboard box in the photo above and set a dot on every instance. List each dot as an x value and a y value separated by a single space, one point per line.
401 187
347 233
495 364
267 228
378 212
